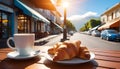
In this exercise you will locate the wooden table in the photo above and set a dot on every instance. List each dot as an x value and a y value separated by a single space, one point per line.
104 59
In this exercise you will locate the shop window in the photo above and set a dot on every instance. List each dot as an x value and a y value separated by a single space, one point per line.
4 25
24 24
38 26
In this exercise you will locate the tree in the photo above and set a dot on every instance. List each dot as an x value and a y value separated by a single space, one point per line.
70 26
83 28
94 22
90 24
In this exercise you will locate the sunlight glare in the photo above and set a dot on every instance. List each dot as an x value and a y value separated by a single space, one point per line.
65 4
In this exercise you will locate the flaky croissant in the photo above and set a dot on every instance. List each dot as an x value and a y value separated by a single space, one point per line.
84 53
68 50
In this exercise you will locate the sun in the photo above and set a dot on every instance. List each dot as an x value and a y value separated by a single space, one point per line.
65 4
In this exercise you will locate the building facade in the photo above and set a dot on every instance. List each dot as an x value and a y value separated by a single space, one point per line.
21 16
111 18
56 23
6 18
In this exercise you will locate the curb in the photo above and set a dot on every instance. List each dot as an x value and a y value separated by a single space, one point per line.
46 38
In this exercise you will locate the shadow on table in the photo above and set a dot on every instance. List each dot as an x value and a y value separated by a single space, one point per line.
18 64
89 65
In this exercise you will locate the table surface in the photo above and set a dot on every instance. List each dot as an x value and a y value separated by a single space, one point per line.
104 59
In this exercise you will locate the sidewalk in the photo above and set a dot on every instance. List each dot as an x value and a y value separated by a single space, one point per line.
45 40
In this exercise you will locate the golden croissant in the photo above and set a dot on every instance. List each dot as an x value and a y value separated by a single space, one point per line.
68 50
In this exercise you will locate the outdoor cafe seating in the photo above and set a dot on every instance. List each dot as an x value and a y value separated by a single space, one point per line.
104 59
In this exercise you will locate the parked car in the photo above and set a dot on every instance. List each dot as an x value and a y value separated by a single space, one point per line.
110 35
95 33
93 29
89 32
71 32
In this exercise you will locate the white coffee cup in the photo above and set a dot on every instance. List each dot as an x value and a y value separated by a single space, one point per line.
23 43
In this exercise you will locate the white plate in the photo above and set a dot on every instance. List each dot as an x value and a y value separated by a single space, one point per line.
15 55
72 61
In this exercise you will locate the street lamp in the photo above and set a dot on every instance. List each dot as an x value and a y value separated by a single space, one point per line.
65 5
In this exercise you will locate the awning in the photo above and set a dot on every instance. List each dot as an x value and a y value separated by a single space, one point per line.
44 4
29 11
58 26
110 25
6 8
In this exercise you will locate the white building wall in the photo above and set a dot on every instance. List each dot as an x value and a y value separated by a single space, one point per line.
114 14
118 13
104 18
110 16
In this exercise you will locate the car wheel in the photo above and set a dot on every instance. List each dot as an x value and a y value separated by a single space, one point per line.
107 38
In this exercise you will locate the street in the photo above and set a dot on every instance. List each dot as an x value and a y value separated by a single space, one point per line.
89 41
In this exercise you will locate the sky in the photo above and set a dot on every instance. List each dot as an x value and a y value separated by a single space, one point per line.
80 11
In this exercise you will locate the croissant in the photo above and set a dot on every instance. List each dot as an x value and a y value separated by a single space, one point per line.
55 48
68 50
64 52
84 53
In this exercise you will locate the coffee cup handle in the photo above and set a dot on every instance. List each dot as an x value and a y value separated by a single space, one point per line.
10 38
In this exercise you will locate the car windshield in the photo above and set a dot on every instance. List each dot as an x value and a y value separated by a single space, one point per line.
112 31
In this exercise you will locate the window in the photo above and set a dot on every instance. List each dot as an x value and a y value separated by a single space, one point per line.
24 24
118 13
112 16
38 26
5 30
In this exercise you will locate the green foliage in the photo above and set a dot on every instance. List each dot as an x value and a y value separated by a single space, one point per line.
83 28
90 24
94 22
70 26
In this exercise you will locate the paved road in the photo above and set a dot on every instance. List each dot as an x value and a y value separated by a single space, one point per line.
89 41
96 42
52 41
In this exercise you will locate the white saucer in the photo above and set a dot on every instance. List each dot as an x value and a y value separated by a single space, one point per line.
15 55
72 61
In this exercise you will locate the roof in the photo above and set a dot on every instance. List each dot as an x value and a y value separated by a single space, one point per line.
116 5
44 4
